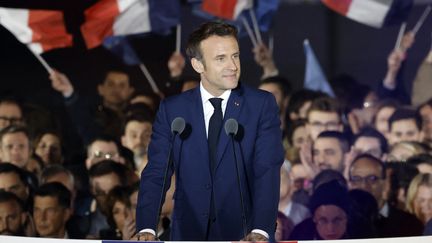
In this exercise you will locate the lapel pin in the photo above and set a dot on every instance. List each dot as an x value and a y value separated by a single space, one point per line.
236 103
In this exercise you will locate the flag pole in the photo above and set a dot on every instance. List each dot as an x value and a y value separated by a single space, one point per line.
249 31
149 78
255 26
47 67
422 19
400 35
178 38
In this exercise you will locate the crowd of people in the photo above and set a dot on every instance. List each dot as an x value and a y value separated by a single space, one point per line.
357 165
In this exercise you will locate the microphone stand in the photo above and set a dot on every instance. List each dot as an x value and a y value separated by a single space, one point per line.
240 188
169 164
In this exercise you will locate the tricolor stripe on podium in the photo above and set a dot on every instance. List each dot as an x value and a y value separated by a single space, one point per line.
41 30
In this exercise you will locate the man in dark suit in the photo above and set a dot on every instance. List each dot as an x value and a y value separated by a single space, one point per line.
207 197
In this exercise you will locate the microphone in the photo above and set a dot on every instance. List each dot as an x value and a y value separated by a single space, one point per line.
177 128
231 129
178 125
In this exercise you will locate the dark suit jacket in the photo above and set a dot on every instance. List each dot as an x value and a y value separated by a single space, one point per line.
259 150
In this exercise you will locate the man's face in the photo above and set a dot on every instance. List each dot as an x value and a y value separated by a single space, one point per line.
328 154
11 182
320 121
404 130
277 93
368 145
366 175
331 222
426 114
101 186
102 150
137 137
220 67
12 218
49 217
15 148
299 137
381 120
9 114
49 149
116 89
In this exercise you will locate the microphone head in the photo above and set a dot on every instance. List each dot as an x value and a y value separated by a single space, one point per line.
178 125
231 127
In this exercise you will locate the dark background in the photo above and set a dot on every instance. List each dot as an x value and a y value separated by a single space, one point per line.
341 45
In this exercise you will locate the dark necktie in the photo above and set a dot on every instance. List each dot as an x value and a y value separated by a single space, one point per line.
215 125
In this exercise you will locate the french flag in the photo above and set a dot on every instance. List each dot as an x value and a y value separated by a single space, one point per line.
226 9
125 17
375 13
40 30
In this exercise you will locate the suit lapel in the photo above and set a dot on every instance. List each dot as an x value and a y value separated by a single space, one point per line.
234 105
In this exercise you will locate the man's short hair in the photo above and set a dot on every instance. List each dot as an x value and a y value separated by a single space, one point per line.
57 190
11 197
54 170
373 133
405 114
6 167
203 32
103 138
106 167
343 140
371 158
14 129
138 117
325 104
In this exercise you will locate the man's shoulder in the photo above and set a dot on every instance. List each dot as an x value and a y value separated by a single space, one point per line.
252 92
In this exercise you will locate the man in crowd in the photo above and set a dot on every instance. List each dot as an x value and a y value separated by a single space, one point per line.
405 125
10 113
324 114
12 214
15 146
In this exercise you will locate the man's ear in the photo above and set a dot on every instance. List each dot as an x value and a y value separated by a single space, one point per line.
197 65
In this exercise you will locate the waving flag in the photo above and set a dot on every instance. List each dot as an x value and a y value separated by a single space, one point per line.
123 17
314 76
40 30
233 10
375 13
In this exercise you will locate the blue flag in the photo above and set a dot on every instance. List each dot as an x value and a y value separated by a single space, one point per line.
314 76
120 46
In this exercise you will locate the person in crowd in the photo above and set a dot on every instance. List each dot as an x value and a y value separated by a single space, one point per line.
104 176
324 114
419 198
48 146
330 150
16 180
15 146
299 104
402 151
400 176
297 133
12 214
405 125
330 206
385 109
280 87
119 211
370 141
52 210
136 137
369 174
425 111
11 113
214 53
106 118
295 212
103 148
58 173
284 227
